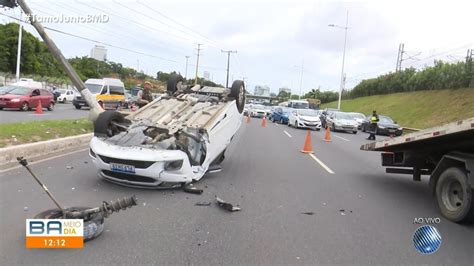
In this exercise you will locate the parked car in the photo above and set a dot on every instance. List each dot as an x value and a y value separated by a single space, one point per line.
304 118
359 118
341 121
66 96
280 114
26 98
109 92
6 89
324 114
385 126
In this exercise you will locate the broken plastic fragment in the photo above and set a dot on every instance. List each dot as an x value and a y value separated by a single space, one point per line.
69 167
343 212
25 209
308 213
227 206
190 188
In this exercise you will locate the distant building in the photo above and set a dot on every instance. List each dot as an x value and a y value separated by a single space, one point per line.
207 75
99 52
261 91
285 89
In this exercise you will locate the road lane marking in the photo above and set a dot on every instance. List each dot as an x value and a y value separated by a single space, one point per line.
340 137
288 134
43 160
321 163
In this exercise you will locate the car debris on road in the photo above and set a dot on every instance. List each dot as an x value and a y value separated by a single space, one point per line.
226 206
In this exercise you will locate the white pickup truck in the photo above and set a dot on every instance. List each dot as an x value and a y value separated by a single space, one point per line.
446 153
173 140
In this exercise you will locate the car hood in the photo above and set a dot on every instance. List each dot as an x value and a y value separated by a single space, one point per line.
390 125
345 121
12 96
310 118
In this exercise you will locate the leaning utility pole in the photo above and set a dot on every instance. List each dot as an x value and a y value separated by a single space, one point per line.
186 72
197 62
400 57
18 55
470 68
228 64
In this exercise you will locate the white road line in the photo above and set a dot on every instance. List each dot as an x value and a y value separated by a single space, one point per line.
322 164
288 134
340 137
43 160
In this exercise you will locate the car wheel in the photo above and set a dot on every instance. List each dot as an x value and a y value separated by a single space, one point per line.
24 106
1 108
106 124
93 225
237 91
77 107
354 132
454 195
363 129
173 83
50 106
64 100
333 128
281 121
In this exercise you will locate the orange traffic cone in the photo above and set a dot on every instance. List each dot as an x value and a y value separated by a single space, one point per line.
248 119
327 135
39 109
264 122
308 147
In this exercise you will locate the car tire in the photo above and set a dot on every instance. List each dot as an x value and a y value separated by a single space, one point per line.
50 106
25 106
64 100
173 83
103 125
454 195
354 132
78 107
237 91
1 108
93 226
363 129
281 121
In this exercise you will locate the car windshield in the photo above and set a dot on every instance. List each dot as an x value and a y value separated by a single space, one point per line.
20 91
6 89
308 112
94 88
298 105
343 116
385 119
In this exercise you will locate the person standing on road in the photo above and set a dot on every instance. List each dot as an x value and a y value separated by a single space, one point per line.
374 119
144 96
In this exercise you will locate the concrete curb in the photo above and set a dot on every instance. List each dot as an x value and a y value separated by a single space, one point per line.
43 148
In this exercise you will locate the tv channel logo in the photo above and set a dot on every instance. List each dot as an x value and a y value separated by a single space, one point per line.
54 233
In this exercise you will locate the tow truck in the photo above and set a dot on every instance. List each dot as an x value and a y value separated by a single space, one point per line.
446 154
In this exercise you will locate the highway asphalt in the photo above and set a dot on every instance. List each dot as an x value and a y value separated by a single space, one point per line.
360 214
61 112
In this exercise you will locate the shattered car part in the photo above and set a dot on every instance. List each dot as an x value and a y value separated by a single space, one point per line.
190 188
204 203
226 206
174 139
93 217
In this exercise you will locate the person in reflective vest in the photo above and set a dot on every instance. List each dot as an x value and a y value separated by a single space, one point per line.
374 119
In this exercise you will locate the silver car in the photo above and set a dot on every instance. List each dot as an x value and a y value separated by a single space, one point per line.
342 122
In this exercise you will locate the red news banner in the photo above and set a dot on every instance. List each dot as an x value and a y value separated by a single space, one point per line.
54 233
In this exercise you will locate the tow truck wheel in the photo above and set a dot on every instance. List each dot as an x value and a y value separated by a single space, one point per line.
106 123
173 83
237 91
454 195
93 226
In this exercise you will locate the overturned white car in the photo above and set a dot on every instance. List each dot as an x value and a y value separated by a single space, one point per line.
171 141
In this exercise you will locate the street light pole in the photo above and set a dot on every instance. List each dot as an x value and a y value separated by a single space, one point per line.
228 65
343 58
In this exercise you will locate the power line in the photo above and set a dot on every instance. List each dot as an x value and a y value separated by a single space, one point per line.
96 41
178 23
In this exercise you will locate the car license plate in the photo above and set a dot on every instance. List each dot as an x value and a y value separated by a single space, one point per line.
391 130
123 168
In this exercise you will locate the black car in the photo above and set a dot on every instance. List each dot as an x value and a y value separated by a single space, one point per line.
385 126
79 102
324 114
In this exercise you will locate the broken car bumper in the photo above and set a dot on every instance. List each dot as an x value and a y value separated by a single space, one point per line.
138 166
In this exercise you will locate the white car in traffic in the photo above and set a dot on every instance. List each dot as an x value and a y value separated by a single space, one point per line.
304 118
340 121
66 96
173 140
